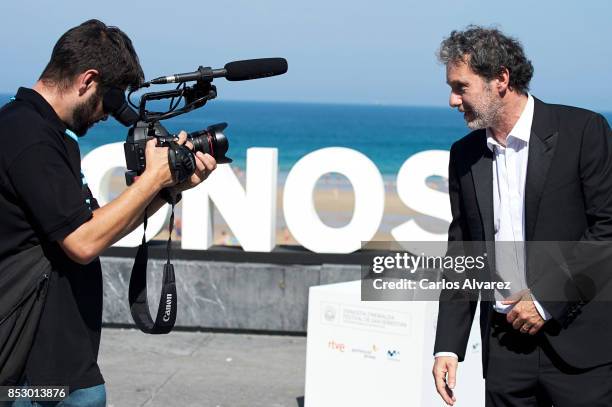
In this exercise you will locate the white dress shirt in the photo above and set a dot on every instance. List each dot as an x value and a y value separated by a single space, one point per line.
509 172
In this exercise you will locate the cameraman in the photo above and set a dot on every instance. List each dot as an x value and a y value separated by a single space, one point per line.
45 202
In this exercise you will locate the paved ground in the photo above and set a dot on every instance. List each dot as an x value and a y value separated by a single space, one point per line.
202 369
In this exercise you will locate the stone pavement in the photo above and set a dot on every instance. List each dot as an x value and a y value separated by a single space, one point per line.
202 369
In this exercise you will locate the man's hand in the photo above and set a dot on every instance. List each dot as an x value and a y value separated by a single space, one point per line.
443 366
157 164
205 164
524 316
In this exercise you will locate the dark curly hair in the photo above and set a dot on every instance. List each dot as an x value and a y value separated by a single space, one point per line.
94 45
488 51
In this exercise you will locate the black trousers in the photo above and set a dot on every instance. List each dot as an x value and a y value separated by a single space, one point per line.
524 370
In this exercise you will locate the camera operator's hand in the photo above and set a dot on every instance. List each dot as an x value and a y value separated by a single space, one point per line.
157 164
205 164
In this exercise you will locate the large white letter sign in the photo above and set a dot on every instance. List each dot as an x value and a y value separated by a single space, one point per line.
300 213
414 192
96 166
250 213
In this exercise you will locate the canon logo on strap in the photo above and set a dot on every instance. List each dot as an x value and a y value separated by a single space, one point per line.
168 307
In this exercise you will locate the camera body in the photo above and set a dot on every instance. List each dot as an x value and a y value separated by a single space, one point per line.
180 158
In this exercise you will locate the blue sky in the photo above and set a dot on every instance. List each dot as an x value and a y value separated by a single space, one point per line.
338 50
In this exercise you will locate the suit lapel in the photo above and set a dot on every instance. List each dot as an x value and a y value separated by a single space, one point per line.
482 175
542 144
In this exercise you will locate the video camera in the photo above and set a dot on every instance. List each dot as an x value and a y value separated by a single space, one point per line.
145 124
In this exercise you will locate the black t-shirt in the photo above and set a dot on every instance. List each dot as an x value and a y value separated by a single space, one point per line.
43 198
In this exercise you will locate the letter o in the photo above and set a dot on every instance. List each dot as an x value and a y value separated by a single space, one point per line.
298 205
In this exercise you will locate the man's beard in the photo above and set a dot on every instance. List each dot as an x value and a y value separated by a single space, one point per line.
82 116
485 112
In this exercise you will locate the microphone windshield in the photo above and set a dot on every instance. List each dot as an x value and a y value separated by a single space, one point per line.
255 68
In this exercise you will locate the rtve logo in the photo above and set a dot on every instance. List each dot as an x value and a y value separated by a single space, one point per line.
333 345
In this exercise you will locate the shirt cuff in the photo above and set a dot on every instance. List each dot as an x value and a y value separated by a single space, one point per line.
452 354
543 313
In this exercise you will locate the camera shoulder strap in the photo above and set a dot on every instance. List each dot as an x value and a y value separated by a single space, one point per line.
139 307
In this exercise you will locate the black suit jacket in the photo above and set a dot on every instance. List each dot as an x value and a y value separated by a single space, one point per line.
568 197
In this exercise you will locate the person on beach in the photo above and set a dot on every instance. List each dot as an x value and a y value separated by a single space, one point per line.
529 171
46 207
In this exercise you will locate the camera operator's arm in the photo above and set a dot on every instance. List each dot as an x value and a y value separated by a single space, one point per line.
108 222
111 221
205 164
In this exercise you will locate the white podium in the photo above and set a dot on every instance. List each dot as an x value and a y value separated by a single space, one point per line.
379 353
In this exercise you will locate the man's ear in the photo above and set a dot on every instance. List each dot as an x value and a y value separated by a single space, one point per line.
503 80
86 80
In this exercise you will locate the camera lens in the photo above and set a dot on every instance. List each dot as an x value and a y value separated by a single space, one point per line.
199 139
212 141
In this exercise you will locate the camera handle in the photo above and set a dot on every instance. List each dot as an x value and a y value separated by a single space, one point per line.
139 306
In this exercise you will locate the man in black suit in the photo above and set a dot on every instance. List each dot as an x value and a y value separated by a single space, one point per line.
529 172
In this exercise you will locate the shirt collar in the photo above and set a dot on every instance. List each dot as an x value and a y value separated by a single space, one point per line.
41 106
522 127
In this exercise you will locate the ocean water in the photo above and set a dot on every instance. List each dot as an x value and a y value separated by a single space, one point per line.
388 135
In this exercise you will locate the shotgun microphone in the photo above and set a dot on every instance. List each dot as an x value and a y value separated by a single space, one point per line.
232 71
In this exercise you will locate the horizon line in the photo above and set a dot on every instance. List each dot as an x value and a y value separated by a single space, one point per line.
342 103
